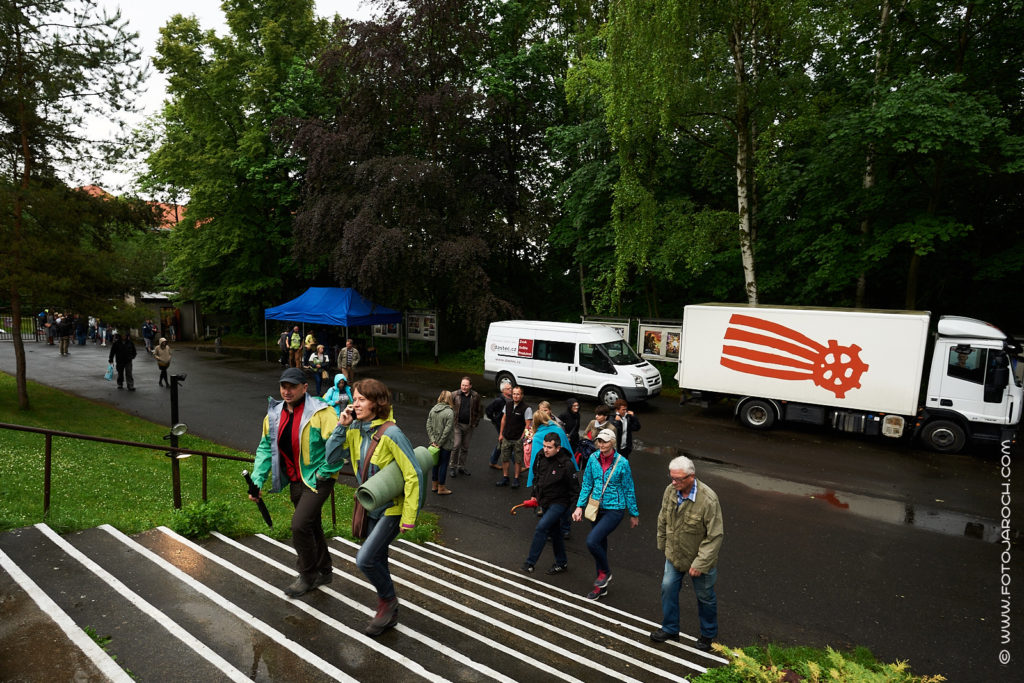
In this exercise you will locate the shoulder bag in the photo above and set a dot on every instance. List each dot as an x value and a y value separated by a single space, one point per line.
360 520
595 503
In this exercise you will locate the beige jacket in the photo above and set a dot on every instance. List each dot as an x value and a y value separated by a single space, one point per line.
691 534
162 355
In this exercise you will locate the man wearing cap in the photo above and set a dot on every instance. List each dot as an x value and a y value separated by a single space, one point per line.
301 448
690 531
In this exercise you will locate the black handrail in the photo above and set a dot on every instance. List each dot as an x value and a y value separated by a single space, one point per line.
171 451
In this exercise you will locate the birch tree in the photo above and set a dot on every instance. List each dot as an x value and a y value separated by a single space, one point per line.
712 73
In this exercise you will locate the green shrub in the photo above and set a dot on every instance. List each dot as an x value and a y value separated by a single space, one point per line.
774 664
197 520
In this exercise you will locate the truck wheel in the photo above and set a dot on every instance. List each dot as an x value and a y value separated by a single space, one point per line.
757 414
944 436
501 377
609 395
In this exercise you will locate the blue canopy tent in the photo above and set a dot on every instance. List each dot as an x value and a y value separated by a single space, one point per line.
338 306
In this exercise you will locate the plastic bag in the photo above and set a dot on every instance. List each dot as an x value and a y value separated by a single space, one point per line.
110 372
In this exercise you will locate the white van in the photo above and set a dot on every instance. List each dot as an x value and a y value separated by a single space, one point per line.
582 359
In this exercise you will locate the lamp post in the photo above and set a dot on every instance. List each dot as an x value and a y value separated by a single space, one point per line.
177 429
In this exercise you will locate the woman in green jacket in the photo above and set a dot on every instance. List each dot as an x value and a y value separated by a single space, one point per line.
370 409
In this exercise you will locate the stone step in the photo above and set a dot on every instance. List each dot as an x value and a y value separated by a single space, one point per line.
179 610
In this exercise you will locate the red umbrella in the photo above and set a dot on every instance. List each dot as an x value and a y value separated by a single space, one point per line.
530 503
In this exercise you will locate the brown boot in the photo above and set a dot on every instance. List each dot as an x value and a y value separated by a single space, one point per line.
443 490
433 487
385 618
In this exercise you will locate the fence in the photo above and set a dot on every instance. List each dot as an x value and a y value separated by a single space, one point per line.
172 451
29 330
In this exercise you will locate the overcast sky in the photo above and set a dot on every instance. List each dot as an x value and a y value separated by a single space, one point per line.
146 17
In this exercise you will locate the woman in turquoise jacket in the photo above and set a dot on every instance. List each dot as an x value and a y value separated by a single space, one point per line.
340 395
607 476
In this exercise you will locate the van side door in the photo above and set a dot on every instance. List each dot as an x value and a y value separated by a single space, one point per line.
553 364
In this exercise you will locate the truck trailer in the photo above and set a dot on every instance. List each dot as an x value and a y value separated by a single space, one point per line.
856 370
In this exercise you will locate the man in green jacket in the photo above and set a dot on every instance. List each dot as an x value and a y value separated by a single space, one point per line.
690 533
301 449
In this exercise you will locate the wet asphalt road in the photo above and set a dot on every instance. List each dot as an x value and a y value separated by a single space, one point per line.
830 540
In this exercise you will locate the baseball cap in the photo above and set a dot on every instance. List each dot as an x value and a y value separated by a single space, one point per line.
294 376
606 435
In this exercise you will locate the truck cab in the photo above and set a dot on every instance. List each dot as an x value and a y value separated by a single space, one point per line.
973 390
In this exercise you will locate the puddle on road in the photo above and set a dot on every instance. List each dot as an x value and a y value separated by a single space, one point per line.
879 509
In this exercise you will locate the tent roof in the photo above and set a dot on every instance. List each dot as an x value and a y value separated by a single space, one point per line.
333 306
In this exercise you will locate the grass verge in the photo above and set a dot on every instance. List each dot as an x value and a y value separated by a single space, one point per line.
130 488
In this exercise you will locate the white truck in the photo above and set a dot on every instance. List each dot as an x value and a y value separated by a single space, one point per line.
854 370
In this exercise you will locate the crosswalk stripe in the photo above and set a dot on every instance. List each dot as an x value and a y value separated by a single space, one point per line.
107 666
390 653
249 619
584 604
145 607
539 624
412 633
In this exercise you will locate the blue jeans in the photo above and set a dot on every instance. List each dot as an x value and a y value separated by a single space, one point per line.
440 471
549 525
597 539
707 603
372 558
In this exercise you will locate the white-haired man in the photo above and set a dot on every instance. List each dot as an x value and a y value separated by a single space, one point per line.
690 531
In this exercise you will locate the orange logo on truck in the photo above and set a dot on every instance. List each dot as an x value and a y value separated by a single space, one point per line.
834 367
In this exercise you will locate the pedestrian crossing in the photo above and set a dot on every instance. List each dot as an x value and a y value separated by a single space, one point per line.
175 609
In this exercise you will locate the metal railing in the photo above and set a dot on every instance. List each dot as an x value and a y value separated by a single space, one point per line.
29 330
172 451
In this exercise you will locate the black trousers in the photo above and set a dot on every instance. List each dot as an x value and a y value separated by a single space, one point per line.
308 529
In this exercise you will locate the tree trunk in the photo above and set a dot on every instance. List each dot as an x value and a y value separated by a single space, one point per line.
881 67
744 169
15 266
583 291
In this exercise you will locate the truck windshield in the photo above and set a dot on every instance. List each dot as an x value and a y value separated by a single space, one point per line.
619 353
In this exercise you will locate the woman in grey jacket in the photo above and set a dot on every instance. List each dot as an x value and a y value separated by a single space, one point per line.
441 432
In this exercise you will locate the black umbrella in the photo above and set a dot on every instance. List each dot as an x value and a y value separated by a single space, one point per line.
254 491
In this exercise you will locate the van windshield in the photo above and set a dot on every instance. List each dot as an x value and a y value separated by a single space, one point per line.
619 353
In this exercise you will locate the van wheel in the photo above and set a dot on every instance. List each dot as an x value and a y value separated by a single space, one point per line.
501 377
757 414
609 395
944 436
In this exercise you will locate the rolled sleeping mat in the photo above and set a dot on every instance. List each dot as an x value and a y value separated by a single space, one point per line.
388 484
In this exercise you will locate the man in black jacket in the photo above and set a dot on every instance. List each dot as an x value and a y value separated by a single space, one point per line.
122 351
626 423
555 488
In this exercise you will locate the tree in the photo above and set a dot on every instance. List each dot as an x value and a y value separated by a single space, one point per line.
706 72
219 146
395 185
60 61
897 183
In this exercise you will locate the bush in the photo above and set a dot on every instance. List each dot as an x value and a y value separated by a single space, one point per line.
775 664
197 520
